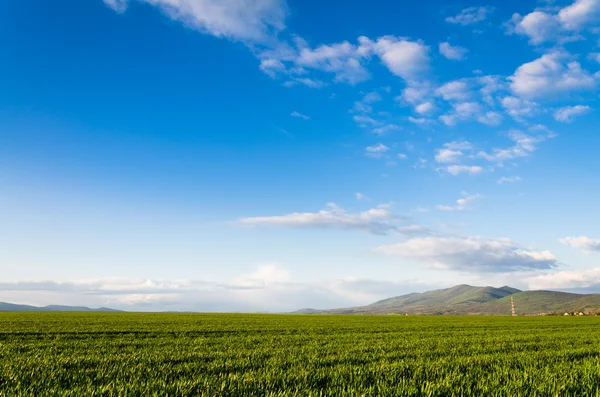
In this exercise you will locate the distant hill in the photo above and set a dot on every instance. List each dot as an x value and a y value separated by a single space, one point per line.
469 300
11 307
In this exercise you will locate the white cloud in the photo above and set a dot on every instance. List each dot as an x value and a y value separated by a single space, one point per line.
463 169
544 25
452 152
365 103
595 56
404 58
304 81
582 242
359 196
271 67
424 108
365 121
117 5
462 111
269 287
251 21
448 156
490 118
508 179
457 90
581 280
385 129
566 114
579 14
472 254
550 75
376 150
342 59
459 145
420 120
455 53
376 220
539 26
524 145
402 156
462 204
470 15
372 97
299 115
519 108
416 93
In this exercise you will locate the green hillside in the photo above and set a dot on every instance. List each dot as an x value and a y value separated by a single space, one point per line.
469 300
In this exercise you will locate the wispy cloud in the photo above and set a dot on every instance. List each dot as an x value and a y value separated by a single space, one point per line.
472 254
470 16
462 203
248 21
463 169
377 150
568 113
508 179
376 220
299 115
583 243
455 53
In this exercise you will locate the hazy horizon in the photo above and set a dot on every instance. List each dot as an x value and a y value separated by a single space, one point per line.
274 155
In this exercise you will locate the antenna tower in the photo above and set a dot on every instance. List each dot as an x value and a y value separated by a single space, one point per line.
512 304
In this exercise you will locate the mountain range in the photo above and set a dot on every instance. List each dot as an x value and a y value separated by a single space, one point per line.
11 307
469 300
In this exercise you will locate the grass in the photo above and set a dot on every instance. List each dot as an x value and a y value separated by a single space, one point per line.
130 354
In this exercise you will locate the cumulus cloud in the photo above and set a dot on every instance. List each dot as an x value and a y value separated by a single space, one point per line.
455 53
544 25
463 169
452 152
575 280
567 113
473 254
457 90
462 203
539 26
299 115
376 220
425 108
461 111
524 145
579 14
404 58
338 59
250 21
519 108
269 287
376 150
344 60
347 61
490 118
583 243
470 16
550 75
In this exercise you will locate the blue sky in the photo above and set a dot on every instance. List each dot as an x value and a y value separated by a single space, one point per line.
273 155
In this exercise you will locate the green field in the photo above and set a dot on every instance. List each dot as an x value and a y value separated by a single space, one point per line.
124 354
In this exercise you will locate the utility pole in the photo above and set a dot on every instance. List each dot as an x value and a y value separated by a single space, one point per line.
512 304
